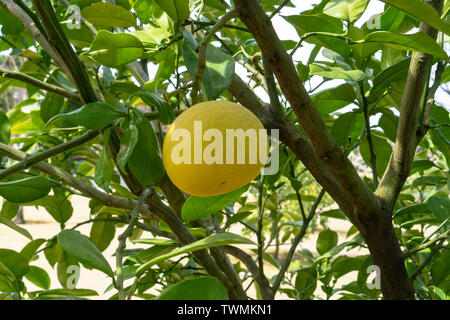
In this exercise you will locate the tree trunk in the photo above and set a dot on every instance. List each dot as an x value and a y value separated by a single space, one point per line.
386 254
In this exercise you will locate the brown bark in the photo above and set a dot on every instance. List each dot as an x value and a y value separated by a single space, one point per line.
372 215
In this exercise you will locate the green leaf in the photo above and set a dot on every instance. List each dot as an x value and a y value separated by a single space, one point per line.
414 42
25 190
214 240
93 116
67 293
115 49
439 269
440 207
104 169
15 227
67 265
9 209
178 10
382 150
199 207
395 72
39 277
347 125
80 37
51 106
445 77
333 99
128 142
349 10
52 253
423 12
336 72
166 112
12 263
327 240
84 251
145 162
144 10
102 232
306 23
58 206
5 128
344 264
334 251
306 282
389 123
29 251
219 66
108 15
198 288
415 208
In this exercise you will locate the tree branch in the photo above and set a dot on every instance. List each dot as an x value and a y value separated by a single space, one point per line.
296 241
86 189
373 157
30 160
252 14
123 238
406 141
201 67
247 260
427 244
29 24
40 84
292 137
61 44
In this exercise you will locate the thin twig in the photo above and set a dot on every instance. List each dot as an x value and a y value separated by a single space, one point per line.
16 11
31 160
260 227
247 260
430 98
296 241
427 260
201 67
123 238
86 189
278 9
40 84
373 157
427 244
271 86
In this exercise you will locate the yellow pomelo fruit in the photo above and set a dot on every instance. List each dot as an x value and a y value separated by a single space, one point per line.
205 154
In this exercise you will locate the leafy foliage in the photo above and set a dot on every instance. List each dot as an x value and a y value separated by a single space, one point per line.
141 59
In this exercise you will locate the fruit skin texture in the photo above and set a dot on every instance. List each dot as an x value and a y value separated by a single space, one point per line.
204 179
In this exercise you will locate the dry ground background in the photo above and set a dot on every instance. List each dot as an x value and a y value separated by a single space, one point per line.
41 225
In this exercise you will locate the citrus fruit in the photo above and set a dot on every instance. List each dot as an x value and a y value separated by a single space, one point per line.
214 147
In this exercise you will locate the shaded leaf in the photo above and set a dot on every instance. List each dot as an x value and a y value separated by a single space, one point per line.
83 250
108 15
335 72
115 49
178 10
39 277
219 66
145 161
25 190
327 240
199 207
214 240
15 227
93 116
